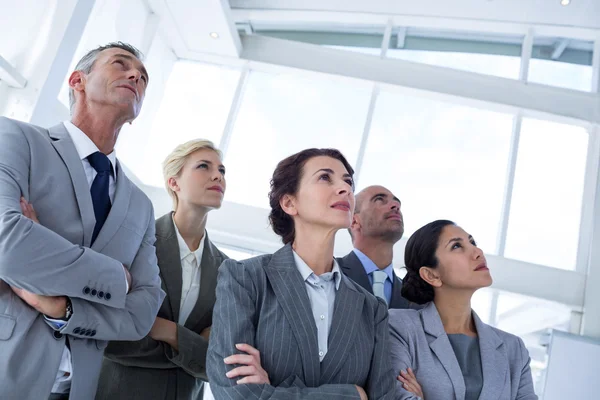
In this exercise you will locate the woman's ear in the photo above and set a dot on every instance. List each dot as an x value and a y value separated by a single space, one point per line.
173 185
431 276
288 204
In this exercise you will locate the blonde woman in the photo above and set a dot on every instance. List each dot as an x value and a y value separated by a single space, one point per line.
170 363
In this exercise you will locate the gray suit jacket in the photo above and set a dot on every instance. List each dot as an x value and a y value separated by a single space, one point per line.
353 268
149 369
54 258
263 302
418 341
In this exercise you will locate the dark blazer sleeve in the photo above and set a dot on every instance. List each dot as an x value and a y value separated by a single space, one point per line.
191 356
234 321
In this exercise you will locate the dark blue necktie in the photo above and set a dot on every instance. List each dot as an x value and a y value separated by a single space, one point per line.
100 197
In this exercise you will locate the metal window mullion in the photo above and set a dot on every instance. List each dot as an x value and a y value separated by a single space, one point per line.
596 67
526 51
510 183
233 111
385 43
586 223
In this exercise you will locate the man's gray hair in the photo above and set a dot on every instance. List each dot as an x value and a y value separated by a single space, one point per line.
87 62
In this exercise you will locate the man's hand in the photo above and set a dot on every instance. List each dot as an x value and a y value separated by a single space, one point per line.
28 210
251 370
51 306
164 330
205 333
128 277
362 393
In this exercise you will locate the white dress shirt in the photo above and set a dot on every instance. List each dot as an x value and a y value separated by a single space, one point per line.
190 275
85 147
321 293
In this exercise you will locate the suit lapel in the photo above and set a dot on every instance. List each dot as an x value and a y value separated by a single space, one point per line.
494 362
353 268
169 261
66 149
117 211
211 260
290 292
346 314
441 347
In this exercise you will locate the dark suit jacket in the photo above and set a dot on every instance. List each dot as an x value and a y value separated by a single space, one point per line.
149 369
353 268
263 301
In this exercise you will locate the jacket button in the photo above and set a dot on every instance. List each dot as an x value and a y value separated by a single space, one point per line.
94 292
77 330
101 294
86 290
107 296
57 335
94 332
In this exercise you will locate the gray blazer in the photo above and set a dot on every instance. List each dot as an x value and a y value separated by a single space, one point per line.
54 258
149 369
353 268
262 301
418 341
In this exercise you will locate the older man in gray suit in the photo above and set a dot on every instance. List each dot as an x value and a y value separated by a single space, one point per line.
87 273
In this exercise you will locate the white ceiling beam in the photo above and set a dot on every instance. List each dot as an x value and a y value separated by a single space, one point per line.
579 13
10 75
358 19
545 101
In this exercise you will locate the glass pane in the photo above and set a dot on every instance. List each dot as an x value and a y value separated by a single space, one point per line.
532 319
195 105
546 204
562 62
555 73
283 114
444 161
489 64
29 21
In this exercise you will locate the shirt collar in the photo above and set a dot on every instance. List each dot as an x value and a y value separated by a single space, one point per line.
85 146
370 266
184 250
306 272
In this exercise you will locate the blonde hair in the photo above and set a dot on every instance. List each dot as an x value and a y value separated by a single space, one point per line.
175 161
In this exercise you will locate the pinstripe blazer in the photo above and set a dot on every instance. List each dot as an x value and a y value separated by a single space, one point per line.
149 369
418 340
263 302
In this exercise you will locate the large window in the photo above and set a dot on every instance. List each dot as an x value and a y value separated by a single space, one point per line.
283 114
546 204
444 161
195 105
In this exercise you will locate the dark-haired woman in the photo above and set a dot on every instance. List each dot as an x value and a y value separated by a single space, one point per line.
290 325
444 351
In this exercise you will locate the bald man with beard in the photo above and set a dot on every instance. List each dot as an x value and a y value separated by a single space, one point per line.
377 225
